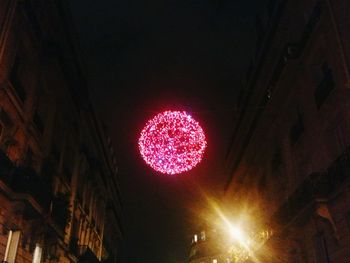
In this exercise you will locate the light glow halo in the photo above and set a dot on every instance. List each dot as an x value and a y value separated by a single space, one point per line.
172 142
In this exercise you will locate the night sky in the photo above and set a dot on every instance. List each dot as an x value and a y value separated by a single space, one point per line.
143 57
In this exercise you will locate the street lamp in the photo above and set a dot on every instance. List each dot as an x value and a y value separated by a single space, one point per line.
242 239
241 236
237 234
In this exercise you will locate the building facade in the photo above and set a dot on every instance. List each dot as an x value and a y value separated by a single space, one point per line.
289 157
59 193
206 247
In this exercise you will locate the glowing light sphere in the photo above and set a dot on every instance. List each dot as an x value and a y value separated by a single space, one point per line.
172 142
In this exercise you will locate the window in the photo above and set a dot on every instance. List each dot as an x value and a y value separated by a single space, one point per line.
203 235
58 138
41 110
55 152
325 86
16 78
30 11
69 155
37 254
86 198
29 159
297 129
195 238
276 161
38 121
321 252
11 247
347 218
1 129
215 261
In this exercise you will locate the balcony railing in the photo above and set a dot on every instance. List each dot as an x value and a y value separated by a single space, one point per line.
315 186
74 247
86 255
26 180
60 210
296 202
22 180
6 168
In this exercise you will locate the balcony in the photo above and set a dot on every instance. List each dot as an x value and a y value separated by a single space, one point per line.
315 186
22 180
296 202
6 168
27 181
86 255
83 252
74 247
60 210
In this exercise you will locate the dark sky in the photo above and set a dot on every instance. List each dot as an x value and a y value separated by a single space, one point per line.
143 57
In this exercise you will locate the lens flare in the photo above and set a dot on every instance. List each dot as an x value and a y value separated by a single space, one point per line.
237 234
172 142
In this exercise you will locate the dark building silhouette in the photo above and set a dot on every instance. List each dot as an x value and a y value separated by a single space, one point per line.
59 196
289 157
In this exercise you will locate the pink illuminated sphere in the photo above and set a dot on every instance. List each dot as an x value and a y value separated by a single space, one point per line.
172 142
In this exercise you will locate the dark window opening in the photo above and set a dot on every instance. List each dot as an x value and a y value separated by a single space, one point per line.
69 155
57 146
297 129
15 79
325 86
29 9
41 111
67 171
347 218
320 246
5 119
276 161
1 129
29 160
38 122
55 153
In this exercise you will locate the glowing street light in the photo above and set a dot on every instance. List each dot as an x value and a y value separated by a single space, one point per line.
237 234
242 241
240 235
246 244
